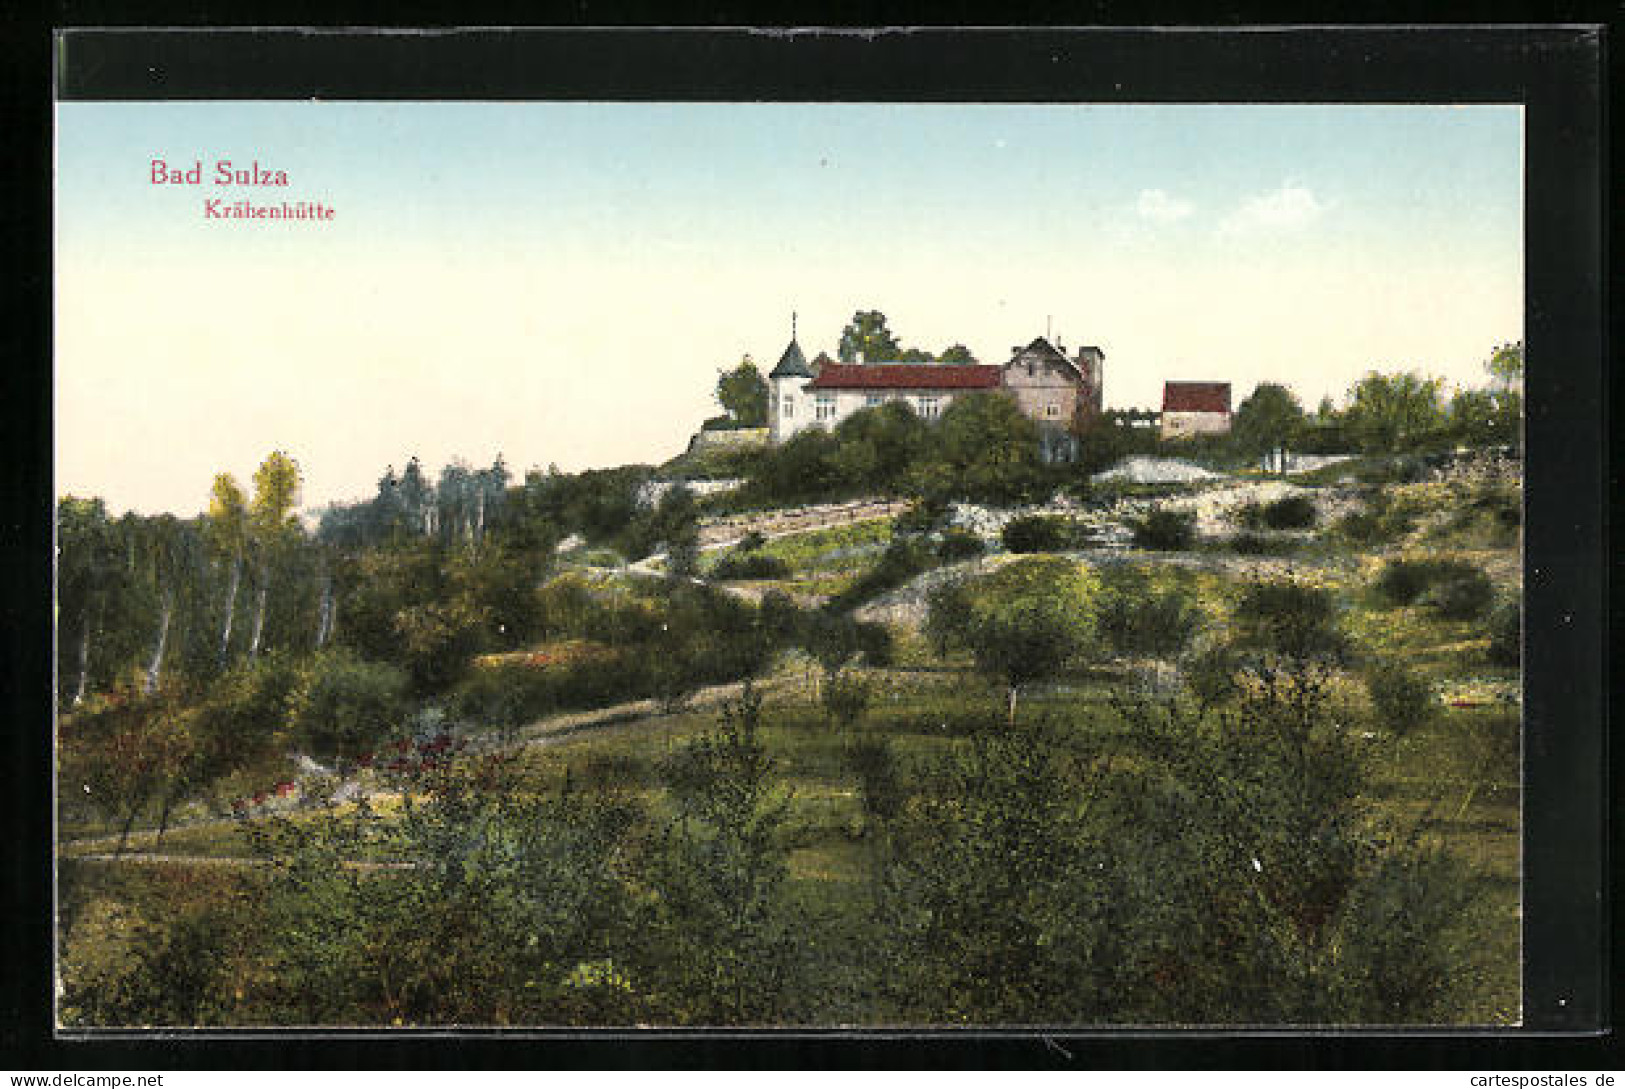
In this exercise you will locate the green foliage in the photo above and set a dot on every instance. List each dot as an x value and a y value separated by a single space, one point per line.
985 451
1401 699
742 564
343 706
743 392
1379 520
1211 676
1486 417
903 559
1506 363
1466 595
1037 533
922 516
1506 635
881 788
846 696
991 916
867 335
723 946
1289 620
1022 623
1396 413
1270 419
1295 511
1458 590
1165 529
1136 619
959 544
505 894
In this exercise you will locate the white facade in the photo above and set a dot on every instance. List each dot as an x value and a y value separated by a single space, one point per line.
795 409
1176 425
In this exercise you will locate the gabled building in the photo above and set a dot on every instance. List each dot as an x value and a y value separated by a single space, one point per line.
1195 408
1049 387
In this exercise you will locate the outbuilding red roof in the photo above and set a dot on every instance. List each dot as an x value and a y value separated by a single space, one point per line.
906 376
1196 397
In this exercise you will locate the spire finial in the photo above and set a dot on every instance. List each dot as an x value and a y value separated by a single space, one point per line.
792 325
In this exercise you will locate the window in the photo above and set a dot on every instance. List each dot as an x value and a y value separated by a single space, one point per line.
789 407
1052 411
824 407
929 407
873 400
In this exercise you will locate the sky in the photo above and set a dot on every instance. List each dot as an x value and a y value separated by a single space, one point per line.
559 283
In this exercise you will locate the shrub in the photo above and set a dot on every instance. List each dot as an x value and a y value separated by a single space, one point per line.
1165 529
1506 635
1378 521
874 642
1289 619
880 784
1256 544
1400 470
343 704
922 516
1401 700
1466 595
959 544
1133 619
1290 512
741 564
1211 675
845 697
1035 533
1403 582
1248 515
902 560
750 542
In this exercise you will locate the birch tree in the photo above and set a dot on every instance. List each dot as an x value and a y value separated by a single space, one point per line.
271 525
226 531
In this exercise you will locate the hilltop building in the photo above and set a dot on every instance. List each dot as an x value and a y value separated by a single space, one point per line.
1195 408
1048 386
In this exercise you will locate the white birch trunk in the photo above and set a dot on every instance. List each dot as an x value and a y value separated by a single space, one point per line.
231 606
84 663
259 625
157 664
324 621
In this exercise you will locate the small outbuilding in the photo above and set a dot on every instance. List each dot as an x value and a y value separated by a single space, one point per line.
1195 408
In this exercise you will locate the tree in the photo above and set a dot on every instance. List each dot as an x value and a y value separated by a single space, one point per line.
723 939
1395 413
743 393
1022 623
88 576
986 451
1506 364
272 525
1267 423
866 335
225 528
956 353
1486 417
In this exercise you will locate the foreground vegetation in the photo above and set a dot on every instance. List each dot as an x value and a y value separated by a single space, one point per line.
449 759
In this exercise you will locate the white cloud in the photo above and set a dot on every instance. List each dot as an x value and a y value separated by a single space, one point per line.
1287 208
1157 206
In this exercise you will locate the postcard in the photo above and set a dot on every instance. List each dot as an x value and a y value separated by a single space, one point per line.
623 564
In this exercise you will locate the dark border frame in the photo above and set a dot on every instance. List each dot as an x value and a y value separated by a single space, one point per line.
1555 71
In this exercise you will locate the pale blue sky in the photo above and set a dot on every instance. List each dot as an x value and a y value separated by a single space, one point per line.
530 277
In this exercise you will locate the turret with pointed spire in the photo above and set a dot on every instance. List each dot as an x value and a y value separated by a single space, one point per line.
787 405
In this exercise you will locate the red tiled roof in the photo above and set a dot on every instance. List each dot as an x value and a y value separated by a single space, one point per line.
1196 397
906 376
